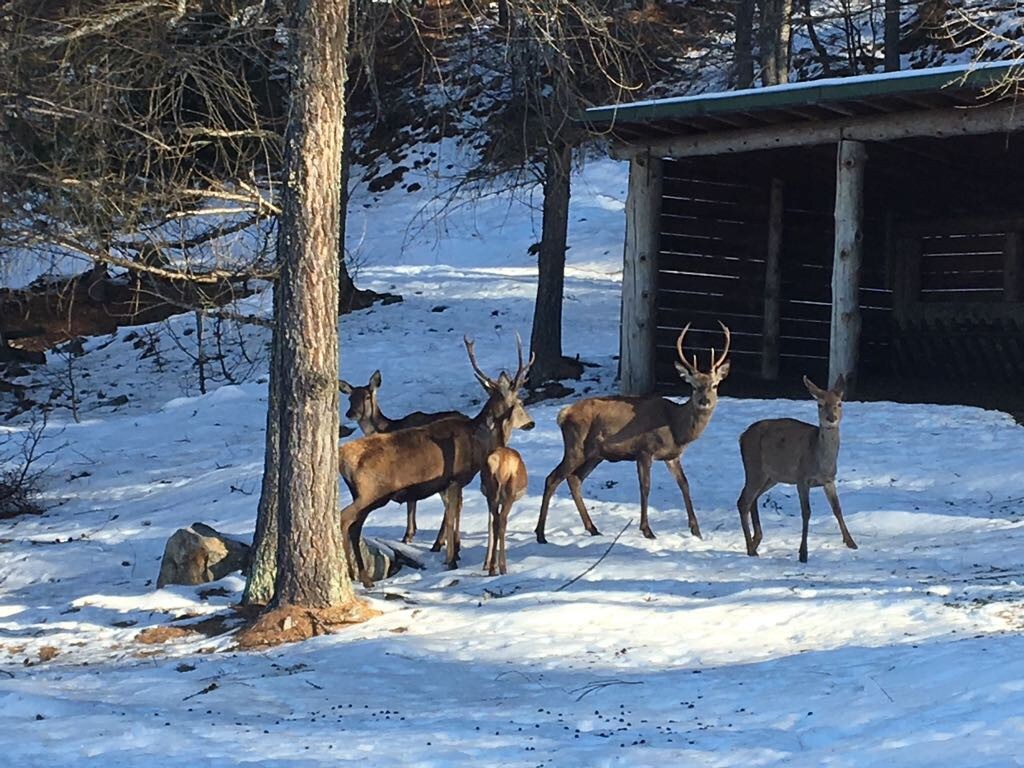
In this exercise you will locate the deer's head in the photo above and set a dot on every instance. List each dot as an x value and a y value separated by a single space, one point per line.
504 406
830 401
362 401
704 385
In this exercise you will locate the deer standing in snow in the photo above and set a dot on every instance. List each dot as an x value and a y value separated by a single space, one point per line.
793 452
503 482
441 457
364 409
639 429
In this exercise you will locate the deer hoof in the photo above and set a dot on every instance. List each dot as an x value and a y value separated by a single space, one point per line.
593 531
696 533
407 539
648 533
803 557
851 544
541 538
436 547
752 552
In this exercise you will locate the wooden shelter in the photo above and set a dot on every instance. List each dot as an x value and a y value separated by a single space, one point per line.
871 226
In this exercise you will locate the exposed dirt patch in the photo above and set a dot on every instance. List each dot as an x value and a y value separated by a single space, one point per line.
93 303
48 653
292 624
211 627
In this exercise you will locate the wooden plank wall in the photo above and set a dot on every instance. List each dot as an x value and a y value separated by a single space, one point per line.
963 319
711 267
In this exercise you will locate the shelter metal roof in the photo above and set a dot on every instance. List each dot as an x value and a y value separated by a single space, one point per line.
804 102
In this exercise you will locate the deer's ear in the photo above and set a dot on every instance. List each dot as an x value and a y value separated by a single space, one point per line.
814 389
344 387
685 374
840 386
722 371
375 380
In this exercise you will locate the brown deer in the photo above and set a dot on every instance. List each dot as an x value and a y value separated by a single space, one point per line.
793 452
441 457
364 409
503 482
638 429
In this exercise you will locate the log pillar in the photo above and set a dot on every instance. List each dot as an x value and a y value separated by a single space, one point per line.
772 285
640 275
844 337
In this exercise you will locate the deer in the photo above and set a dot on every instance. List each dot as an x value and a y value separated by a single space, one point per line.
796 453
640 429
440 457
503 482
364 409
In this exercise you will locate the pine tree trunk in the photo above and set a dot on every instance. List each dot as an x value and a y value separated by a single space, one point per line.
546 339
744 51
259 586
310 564
892 35
776 34
346 287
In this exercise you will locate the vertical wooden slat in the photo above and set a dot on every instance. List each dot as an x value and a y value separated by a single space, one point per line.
639 276
1013 266
772 284
844 339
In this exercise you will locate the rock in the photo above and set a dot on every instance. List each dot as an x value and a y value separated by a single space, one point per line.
198 554
384 560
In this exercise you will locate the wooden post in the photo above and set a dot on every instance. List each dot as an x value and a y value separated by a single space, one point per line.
772 283
844 338
639 276
1013 266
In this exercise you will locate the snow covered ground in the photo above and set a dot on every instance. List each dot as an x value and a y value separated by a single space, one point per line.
675 651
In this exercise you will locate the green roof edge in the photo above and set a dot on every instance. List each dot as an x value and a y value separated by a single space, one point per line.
807 92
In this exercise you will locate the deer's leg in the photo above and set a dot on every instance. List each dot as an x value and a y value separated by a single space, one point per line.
643 471
745 504
452 513
439 539
804 491
353 557
492 537
675 466
558 474
575 481
410 522
833 500
503 527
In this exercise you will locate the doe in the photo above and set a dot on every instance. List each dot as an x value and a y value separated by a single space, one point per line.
793 452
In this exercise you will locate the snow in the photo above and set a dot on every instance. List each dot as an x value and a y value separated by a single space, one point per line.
673 651
953 70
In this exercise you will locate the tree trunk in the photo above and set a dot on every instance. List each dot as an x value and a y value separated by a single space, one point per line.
776 33
844 338
346 287
259 586
744 53
311 571
546 339
892 35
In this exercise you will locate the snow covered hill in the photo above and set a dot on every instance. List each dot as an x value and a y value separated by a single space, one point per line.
675 651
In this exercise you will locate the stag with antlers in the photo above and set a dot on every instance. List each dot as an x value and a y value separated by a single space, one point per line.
441 457
639 429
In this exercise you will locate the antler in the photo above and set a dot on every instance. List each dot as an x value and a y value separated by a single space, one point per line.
486 380
520 378
717 362
690 367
